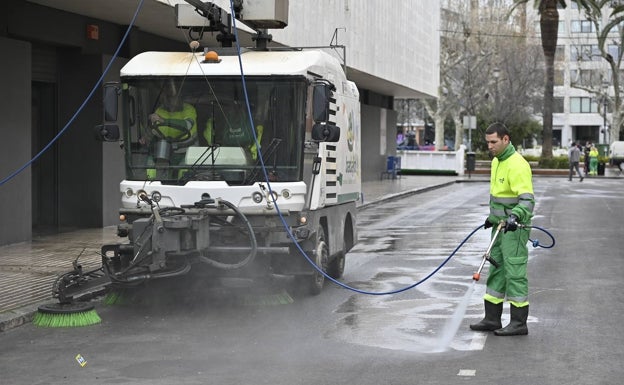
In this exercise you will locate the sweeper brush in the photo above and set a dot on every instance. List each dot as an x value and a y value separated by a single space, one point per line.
73 311
58 315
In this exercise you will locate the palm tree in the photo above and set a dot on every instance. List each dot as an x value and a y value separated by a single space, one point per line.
549 28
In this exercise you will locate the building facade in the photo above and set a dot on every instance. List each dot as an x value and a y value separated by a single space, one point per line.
56 176
583 86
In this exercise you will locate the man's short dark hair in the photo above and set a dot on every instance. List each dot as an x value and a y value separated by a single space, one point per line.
497 128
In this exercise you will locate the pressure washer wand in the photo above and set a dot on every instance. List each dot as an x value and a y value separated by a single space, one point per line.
486 257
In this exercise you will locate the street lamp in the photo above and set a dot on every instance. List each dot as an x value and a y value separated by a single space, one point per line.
605 93
496 74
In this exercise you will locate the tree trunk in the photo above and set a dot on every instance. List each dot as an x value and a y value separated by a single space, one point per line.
439 132
549 25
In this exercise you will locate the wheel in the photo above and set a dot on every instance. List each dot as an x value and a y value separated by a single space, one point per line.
313 283
337 265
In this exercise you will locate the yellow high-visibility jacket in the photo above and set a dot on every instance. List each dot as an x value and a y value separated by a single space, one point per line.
511 187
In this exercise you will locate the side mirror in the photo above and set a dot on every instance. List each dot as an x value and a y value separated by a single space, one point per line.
325 132
107 132
111 92
321 97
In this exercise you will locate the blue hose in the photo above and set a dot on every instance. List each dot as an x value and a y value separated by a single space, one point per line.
536 243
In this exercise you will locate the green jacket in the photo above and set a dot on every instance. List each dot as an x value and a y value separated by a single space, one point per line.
511 187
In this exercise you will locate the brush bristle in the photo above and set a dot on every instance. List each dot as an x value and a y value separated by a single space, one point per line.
62 320
115 298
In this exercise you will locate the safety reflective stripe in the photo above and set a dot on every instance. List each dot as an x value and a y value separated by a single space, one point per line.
493 300
504 201
502 206
496 298
493 296
522 299
498 213
527 200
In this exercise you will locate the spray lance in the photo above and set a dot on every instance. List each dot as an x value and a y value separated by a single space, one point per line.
486 257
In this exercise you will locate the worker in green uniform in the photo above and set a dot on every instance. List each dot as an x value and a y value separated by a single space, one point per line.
511 203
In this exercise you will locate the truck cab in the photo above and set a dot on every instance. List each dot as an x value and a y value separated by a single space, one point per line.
242 171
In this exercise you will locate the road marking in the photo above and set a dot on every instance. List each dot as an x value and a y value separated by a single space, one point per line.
467 372
478 341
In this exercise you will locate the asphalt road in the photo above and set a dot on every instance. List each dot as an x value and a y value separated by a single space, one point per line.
239 334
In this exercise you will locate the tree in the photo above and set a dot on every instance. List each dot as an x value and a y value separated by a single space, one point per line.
549 28
474 43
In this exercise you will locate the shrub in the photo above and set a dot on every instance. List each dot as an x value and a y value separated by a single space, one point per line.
555 162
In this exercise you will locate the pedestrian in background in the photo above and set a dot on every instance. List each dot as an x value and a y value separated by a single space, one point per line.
593 161
511 206
574 156
585 152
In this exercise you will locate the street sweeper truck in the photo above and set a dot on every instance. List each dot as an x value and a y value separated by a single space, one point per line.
237 161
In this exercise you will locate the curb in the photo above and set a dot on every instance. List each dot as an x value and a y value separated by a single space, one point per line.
401 194
18 317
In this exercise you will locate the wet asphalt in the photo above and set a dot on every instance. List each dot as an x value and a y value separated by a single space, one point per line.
341 337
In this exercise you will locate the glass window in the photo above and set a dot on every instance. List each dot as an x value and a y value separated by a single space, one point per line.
560 53
559 77
558 105
593 106
585 77
582 26
200 129
583 105
596 55
590 78
587 26
584 52
613 50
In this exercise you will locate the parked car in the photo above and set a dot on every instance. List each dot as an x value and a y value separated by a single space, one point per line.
616 154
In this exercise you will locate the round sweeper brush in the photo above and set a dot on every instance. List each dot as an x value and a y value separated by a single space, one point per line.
66 315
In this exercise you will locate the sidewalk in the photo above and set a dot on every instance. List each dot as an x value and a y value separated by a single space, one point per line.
28 269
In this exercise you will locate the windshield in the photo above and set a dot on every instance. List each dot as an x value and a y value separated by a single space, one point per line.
183 129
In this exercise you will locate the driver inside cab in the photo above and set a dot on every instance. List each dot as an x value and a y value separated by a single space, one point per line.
174 118
174 121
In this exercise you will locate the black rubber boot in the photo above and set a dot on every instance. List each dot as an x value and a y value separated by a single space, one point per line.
518 324
492 320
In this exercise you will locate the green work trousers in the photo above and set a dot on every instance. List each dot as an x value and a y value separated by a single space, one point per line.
510 279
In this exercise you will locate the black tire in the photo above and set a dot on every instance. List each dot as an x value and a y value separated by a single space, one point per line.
313 283
337 265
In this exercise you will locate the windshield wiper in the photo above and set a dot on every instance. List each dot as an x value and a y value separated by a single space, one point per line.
266 155
194 170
